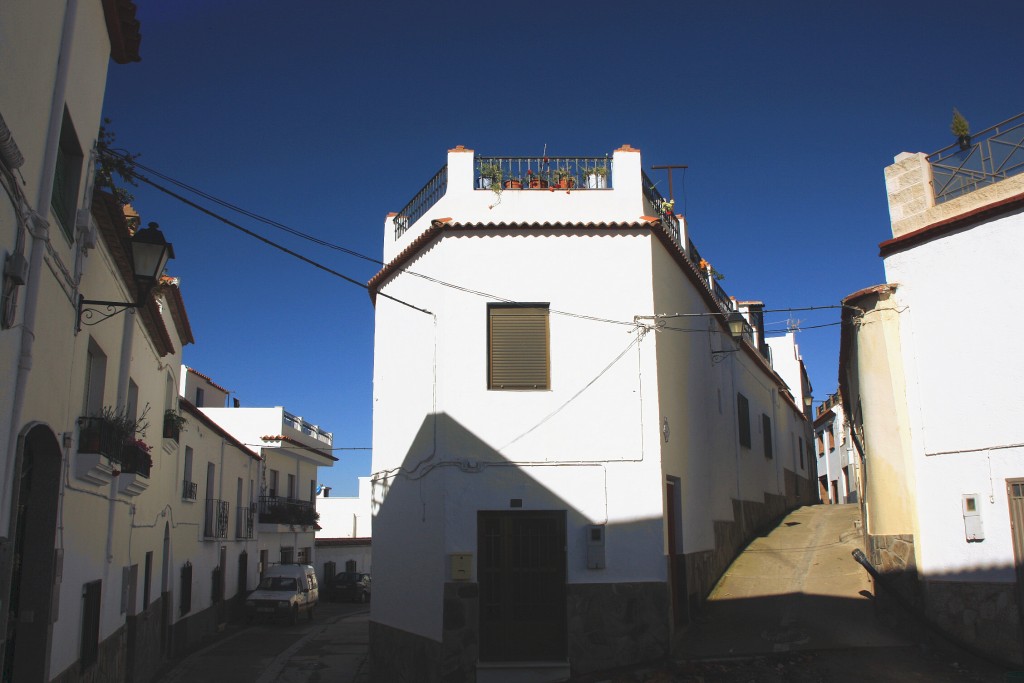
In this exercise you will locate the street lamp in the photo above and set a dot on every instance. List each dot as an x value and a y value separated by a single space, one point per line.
150 253
736 323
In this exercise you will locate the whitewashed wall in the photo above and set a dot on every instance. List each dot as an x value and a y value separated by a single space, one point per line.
959 349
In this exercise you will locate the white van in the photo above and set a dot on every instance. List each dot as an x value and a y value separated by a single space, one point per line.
284 591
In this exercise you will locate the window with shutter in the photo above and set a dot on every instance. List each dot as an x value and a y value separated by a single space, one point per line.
518 350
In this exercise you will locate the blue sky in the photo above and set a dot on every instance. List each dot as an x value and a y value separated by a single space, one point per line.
327 114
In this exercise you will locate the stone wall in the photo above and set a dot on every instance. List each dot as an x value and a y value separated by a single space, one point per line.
461 637
984 615
110 663
397 655
145 649
615 624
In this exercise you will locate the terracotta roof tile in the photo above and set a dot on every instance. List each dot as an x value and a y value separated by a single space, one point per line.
207 378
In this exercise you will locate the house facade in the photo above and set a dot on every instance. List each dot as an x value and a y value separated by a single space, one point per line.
291 450
569 445
931 402
838 464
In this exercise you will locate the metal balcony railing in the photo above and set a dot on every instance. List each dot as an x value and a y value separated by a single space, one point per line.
280 510
981 159
100 435
309 429
421 203
243 521
542 173
216 518
188 490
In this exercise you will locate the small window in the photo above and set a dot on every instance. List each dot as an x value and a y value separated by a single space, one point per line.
95 380
743 413
766 431
200 397
831 440
518 347
67 175
801 440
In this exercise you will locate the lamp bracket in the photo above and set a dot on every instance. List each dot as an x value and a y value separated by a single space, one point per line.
93 316
718 356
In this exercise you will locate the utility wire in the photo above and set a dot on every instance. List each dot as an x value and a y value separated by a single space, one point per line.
271 243
352 252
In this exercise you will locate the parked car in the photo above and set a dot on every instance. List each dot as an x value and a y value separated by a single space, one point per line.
353 586
284 591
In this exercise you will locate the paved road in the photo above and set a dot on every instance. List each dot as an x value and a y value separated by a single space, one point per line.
332 648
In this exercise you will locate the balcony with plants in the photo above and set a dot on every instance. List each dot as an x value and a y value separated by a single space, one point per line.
111 446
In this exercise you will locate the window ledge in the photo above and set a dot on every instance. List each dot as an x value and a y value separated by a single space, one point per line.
132 484
94 468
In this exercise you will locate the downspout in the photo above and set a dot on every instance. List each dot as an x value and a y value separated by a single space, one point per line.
39 230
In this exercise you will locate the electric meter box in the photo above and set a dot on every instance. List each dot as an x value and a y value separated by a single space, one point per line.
595 546
972 518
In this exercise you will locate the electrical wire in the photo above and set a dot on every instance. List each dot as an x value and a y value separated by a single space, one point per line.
351 252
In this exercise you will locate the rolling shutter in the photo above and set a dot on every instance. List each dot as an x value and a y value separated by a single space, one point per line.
518 347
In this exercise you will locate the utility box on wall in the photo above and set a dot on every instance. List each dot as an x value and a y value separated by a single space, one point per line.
462 567
595 546
972 518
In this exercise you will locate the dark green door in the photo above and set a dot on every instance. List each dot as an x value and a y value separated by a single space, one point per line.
521 568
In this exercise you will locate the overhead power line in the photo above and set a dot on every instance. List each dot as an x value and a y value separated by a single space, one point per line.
336 247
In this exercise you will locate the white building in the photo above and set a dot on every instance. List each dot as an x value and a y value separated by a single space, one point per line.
838 465
568 445
933 397
343 542
291 449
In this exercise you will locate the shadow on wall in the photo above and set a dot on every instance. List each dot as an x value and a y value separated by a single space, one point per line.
513 561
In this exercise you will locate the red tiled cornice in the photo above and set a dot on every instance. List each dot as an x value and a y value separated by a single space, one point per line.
172 294
123 30
206 377
942 228
442 226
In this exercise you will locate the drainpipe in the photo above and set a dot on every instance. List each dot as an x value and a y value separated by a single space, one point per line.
39 230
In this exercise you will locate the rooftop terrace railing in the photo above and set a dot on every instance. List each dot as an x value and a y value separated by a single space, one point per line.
987 157
309 429
542 173
421 203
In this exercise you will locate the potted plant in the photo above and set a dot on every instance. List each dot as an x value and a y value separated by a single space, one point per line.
513 184
174 424
961 129
536 181
597 177
491 176
564 179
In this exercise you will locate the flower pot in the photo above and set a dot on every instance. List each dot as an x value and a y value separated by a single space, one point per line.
965 141
538 183
483 183
595 181
513 185
566 183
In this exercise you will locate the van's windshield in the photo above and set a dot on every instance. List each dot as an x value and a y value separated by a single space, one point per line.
278 583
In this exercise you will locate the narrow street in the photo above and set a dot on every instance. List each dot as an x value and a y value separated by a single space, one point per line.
795 607
331 647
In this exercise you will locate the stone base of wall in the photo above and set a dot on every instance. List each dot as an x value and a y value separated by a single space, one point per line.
397 655
110 663
145 649
609 625
800 489
984 615
617 624
190 632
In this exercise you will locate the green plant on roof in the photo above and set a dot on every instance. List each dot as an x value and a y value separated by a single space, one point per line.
492 172
959 127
